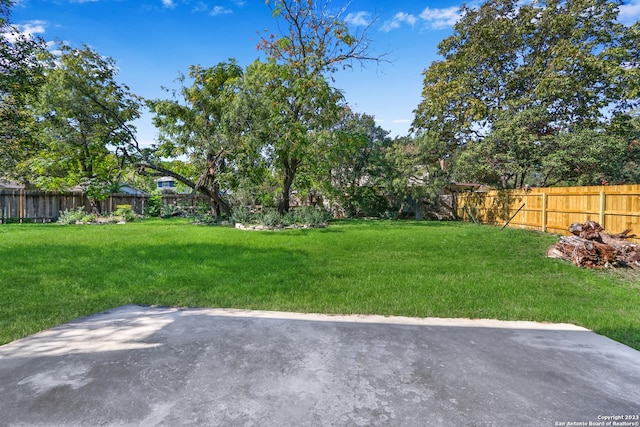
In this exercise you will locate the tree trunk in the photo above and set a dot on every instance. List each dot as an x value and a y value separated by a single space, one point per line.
290 168
95 206
504 180
208 183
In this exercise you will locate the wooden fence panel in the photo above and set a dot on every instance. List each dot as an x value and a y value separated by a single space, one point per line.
136 201
43 206
616 208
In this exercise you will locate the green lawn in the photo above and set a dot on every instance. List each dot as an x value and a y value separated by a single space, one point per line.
51 273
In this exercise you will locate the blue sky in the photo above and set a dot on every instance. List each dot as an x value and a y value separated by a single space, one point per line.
153 41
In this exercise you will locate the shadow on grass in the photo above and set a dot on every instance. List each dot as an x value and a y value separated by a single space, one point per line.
397 223
53 283
628 336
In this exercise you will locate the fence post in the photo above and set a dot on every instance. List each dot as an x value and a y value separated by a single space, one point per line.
21 204
603 206
544 212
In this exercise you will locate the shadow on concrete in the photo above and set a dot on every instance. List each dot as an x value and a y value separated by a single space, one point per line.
167 366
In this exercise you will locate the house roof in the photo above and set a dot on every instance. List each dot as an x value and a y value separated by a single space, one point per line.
10 185
466 186
130 189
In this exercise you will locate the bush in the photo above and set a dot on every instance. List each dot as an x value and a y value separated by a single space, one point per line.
311 216
167 211
124 213
270 218
154 206
72 216
88 218
241 215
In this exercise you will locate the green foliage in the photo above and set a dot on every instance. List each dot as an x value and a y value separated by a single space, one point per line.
124 213
417 173
67 217
270 217
167 211
585 157
314 37
296 105
353 168
241 215
195 123
204 216
154 205
84 114
88 219
287 117
21 75
518 78
314 217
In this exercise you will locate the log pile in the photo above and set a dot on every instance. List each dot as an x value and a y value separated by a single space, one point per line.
590 247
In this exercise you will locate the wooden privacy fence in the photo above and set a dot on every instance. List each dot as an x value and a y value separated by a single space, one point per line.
43 206
38 206
615 207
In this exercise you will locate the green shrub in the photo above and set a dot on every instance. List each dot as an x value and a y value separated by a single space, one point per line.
154 206
205 219
241 215
88 218
269 218
71 216
167 211
203 209
124 213
311 216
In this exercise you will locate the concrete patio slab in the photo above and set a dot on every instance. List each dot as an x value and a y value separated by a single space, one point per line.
151 366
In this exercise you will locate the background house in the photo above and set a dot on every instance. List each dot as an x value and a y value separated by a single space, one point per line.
166 184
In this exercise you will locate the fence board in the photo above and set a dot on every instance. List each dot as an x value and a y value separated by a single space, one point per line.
616 208
42 206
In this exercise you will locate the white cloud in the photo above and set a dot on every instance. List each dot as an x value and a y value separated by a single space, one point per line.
168 3
359 19
441 18
399 19
33 27
28 29
215 11
220 10
200 7
630 12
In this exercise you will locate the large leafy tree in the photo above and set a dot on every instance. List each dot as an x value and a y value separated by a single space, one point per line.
418 171
315 41
21 73
84 116
353 168
287 121
507 65
524 150
197 124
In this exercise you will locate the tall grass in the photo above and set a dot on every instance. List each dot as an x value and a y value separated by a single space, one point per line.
51 273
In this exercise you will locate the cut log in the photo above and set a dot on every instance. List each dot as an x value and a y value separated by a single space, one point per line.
584 253
590 247
590 230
